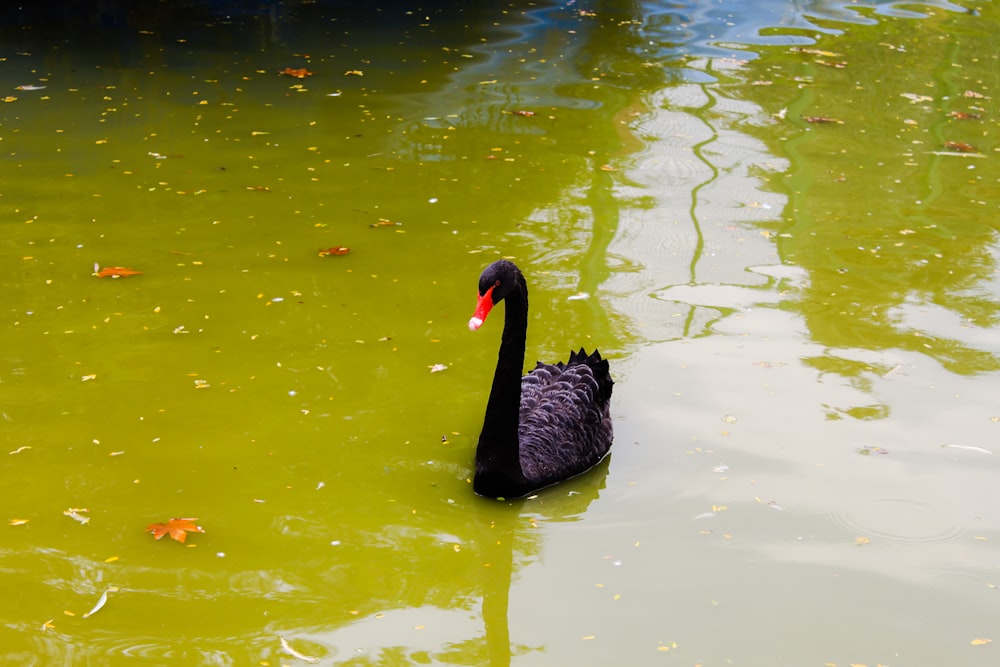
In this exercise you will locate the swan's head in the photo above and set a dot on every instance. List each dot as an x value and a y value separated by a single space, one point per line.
496 282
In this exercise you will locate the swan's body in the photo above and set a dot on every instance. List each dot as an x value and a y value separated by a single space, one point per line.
550 425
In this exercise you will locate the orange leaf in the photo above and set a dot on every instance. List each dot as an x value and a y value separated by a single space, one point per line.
116 272
176 528
960 147
336 250
300 73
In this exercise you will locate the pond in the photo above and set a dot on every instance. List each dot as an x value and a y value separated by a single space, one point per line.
242 244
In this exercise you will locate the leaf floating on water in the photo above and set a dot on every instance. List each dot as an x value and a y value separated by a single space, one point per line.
871 449
29 87
960 147
437 368
861 541
817 52
176 528
336 250
19 449
115 272
18 522
974 95
916 99
74 513
299 73
970 448
354 72
103 600
962 115
822 120
382 222
980 641
287 648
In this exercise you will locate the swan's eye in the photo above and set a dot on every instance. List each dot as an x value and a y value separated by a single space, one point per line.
496 284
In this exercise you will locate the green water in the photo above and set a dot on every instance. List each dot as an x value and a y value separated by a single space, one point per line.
800 318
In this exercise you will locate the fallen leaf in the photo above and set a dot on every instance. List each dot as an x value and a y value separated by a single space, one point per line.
29 87
960 147
18 522
295 654
354 72
382 222
861 541
74 513
974 95
915 98
979 641
115 272
336 250
817 52
437 368
822 120
962 115
176 528
103 600
299 73
526 114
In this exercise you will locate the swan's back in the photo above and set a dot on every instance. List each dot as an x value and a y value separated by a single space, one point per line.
565 422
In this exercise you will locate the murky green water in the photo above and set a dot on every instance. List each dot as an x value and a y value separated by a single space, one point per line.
755 211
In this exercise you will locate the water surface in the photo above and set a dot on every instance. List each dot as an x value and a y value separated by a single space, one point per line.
767 215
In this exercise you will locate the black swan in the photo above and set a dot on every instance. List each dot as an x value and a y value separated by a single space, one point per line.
550 425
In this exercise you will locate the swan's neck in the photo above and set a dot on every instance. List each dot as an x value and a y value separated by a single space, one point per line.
498 453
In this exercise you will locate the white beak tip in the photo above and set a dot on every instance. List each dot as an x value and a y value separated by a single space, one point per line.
475 323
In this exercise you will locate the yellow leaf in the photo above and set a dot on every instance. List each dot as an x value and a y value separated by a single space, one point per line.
861 541
981 642
18 522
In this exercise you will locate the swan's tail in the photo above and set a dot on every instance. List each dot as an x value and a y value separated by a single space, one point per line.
599 366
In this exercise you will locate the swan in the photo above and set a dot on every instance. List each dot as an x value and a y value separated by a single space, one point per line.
548 426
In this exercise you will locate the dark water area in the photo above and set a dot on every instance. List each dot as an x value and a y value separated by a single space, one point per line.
777 220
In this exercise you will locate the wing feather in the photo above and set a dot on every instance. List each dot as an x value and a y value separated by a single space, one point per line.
565 424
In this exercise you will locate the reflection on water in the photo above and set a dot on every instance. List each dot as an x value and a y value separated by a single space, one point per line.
799 314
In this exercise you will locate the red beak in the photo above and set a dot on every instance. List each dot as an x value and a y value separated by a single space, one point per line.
483 307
